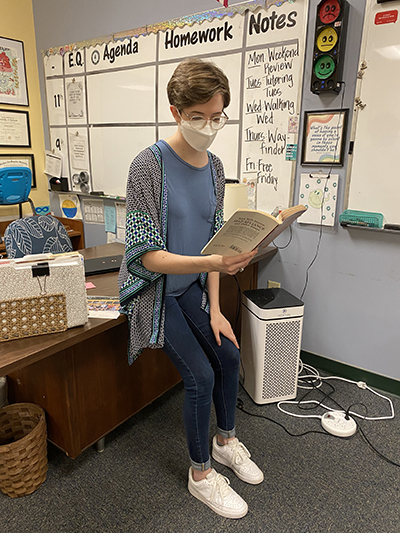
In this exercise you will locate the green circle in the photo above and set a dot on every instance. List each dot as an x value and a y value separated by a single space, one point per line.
324 67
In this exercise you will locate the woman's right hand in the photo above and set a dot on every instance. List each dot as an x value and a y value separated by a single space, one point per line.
231 265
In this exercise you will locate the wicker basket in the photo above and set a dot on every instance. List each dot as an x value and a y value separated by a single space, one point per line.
23 449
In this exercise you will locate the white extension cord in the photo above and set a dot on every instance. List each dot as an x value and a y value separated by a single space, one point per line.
336 422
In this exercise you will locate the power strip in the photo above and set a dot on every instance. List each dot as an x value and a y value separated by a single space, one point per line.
335 423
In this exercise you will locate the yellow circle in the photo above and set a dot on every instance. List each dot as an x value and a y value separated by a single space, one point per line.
327 39
68 204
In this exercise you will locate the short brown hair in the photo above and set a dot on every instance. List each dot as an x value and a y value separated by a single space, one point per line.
195 82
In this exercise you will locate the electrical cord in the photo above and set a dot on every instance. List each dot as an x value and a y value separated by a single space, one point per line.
286 245
313 260
323 199
240 405
313 379
360 384
360 429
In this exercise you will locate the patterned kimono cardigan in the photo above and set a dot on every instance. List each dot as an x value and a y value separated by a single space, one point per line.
141 291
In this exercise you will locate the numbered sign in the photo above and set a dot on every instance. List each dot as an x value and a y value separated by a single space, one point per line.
58 143
56 102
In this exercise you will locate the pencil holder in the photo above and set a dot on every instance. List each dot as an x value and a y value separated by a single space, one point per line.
361 218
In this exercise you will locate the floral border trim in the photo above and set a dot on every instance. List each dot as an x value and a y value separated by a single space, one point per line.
188 20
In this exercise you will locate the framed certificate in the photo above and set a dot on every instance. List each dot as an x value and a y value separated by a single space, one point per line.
14 128
13 86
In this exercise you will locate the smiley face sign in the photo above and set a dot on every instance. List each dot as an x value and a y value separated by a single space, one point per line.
327 39
329 11
324 67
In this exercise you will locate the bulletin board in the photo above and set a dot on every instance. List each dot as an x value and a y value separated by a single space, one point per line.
374 183
106 98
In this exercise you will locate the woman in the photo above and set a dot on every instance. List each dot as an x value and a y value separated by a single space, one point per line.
170 292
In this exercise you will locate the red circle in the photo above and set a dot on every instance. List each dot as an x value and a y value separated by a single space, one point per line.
329 11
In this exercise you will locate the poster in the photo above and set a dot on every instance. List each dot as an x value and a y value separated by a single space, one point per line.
70 206
13 87
93 211
318 193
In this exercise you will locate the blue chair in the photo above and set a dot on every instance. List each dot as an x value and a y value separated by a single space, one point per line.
15 186
36 235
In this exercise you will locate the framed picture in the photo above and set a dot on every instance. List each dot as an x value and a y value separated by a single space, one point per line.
17 160
14 128
13 86
323 137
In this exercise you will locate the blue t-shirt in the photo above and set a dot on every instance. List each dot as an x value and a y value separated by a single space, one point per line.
191 211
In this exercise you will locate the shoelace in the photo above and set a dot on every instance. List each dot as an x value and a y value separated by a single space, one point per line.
220 487
240 452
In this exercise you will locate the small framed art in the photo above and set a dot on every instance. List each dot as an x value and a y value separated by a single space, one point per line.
13 86
323 137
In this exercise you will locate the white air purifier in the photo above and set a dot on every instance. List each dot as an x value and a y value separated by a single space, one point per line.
272 321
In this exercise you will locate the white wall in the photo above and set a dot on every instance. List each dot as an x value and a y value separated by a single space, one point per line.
353 294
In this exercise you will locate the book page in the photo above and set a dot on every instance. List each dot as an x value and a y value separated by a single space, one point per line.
290 211
287 216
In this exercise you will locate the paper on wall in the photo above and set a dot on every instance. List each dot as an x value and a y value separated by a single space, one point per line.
319 194
79 151
53 164
70 205
93 211
121 214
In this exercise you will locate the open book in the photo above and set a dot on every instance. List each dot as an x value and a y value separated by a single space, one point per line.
247 229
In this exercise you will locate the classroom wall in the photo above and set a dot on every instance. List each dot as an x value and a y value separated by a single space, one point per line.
352 297
353 293
15 26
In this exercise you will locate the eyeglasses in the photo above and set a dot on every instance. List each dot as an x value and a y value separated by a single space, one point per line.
198 122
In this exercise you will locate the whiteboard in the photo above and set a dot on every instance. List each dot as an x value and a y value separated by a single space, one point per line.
121 82
121 97
374 177
109 163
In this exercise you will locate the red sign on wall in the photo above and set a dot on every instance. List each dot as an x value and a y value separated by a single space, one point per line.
386 17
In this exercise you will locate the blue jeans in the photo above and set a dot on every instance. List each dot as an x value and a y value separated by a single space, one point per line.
209 372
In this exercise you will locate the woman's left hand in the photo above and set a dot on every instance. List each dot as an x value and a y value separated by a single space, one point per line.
219 324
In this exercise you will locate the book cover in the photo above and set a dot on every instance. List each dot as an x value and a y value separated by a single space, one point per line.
247 229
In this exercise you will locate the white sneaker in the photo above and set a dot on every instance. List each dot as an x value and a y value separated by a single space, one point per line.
214 491
236 456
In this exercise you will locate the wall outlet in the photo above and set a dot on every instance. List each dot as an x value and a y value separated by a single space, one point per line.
273 284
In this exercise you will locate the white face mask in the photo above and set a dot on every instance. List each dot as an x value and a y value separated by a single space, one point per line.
200 140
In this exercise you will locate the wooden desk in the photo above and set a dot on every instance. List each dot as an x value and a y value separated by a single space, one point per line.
81 377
